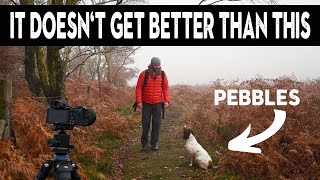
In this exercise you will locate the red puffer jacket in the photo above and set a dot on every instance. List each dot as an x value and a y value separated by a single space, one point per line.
153 93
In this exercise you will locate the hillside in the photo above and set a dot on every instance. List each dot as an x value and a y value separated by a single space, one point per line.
109 149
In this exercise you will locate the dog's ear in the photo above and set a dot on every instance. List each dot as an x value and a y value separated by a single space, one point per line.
191 132
186 133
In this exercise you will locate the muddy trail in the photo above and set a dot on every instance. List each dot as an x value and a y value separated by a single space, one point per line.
171 161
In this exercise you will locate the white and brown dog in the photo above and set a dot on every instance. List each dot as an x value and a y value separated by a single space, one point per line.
199 156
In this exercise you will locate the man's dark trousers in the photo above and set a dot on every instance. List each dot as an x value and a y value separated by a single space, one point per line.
151 112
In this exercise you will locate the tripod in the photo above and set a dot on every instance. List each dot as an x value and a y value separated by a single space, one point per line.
64 168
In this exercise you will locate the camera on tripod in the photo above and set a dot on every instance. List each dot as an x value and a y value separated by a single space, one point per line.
64 117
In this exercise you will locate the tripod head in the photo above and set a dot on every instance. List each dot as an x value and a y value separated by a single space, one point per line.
64 168
60 143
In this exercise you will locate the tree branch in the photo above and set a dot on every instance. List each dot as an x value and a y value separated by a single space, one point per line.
220 1
13 2
119 2
81 53
215 2
105 2
202 1
81 64
124 60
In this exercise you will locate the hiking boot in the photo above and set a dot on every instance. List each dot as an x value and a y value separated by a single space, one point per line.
143 148
154 148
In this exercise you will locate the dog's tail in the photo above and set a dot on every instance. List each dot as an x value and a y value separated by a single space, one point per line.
210 165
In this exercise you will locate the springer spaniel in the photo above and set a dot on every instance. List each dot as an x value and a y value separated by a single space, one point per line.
199 155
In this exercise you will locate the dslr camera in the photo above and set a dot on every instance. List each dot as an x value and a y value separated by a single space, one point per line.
65 117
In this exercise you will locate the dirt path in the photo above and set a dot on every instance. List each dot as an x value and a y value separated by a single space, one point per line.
169 162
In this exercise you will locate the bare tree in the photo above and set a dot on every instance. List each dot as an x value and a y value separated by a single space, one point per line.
256 2
103 63
122 73
46 67
114 2
9 2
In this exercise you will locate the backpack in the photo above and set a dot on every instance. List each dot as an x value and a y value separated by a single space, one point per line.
147 75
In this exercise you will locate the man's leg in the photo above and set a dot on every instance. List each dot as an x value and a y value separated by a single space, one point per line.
146 119
156 124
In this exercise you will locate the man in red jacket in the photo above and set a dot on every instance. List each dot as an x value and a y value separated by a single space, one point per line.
149 97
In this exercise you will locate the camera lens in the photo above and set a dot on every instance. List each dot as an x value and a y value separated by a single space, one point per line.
91 116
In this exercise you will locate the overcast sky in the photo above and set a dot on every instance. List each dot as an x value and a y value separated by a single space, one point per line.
198 65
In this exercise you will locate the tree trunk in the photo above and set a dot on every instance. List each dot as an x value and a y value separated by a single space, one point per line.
43 70
80 68
51 72
31 73
80 71
57 2
27 2
99 75
5 103
108 57
56 71
71 2
30 63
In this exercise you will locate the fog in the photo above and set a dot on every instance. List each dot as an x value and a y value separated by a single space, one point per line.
198 65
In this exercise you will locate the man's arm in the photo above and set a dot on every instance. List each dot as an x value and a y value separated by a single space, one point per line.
166 93
139 87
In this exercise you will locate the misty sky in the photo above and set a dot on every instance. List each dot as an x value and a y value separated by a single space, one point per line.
197 65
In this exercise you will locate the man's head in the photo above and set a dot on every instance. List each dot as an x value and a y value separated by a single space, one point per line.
155 64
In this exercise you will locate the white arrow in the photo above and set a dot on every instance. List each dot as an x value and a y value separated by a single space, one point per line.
243 144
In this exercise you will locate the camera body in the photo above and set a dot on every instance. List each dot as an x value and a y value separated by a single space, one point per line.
60 114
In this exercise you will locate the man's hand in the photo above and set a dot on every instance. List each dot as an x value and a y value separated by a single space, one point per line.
139 105
166 104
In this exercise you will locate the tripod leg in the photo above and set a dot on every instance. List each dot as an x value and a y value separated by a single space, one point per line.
44 170
74 173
